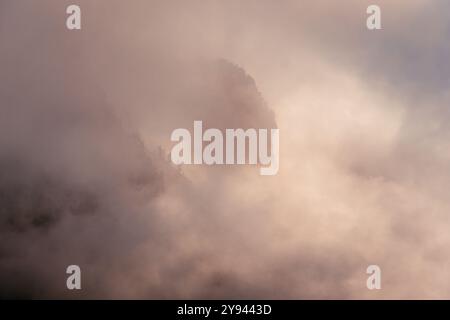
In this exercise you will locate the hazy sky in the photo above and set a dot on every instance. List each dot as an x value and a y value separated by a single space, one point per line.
85 175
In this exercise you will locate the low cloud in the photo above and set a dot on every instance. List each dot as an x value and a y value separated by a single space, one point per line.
85 176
